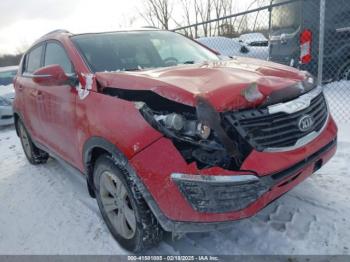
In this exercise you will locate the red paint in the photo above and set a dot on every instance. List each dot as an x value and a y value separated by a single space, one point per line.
50 76
213 81
56 116
155 173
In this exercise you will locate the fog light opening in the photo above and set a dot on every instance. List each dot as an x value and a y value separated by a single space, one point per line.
290 180
318 165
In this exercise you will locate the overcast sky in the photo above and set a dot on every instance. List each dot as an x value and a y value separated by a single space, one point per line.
24 21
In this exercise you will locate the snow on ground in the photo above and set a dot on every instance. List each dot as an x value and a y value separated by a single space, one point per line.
338 95
46 210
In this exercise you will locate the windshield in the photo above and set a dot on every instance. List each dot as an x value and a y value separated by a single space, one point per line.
285 18
6 77
128 51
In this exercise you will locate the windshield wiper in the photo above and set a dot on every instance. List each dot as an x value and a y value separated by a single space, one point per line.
138 68
131 69
190 62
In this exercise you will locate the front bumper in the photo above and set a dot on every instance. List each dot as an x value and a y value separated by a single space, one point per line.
6 115
220 194
277 173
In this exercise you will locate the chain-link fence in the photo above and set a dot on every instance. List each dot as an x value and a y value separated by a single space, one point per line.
312 35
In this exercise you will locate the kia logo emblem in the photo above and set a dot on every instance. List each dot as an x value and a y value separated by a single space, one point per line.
305 123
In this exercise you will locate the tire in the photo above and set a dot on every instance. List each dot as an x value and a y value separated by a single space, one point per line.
123 208
344 72
34 155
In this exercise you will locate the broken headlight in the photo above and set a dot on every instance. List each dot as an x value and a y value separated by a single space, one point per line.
181 125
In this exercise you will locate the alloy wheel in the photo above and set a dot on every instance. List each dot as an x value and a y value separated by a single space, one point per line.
117 205
25 140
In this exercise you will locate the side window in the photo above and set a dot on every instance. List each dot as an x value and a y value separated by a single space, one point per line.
55 54
33 59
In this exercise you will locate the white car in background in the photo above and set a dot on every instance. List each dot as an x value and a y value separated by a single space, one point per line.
254 39
7 94
257 43
232 47
225 46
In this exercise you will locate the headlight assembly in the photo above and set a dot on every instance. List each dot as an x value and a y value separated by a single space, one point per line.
180 124
181 127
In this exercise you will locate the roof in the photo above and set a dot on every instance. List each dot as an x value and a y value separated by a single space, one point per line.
63 31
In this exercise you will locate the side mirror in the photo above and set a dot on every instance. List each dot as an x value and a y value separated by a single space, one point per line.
52 75
244 49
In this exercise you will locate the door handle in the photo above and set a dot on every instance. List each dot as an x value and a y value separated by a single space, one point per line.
343 29
36 93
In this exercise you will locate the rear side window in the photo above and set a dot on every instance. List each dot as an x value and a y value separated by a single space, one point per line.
34 59
56 55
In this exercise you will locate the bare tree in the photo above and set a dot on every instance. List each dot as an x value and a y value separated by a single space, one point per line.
127 21
243 25
218 8
259 3
193 12
186 6
204 9
157 13
10 60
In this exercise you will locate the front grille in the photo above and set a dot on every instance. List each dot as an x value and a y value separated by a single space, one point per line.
263 130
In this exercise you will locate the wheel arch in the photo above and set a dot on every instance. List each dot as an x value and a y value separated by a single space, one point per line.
17 116
92 150
96 146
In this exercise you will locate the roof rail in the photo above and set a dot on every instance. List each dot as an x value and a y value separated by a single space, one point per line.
57 31
150 27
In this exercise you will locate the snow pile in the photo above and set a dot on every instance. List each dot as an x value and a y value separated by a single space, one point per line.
223 45
7 90
259 52
338 96
47 210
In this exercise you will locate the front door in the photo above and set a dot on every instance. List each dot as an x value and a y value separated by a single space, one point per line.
57 106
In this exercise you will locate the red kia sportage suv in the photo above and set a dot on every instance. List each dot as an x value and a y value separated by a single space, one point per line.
170 135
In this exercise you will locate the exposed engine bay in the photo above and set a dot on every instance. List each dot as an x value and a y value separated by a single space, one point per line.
197 133
201 133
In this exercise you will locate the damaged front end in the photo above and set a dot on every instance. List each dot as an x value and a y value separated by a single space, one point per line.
199 122
197 132
213 174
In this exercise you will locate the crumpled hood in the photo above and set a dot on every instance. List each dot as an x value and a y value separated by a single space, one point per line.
220 83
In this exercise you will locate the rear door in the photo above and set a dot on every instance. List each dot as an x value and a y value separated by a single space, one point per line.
285 26
27 90
57 107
